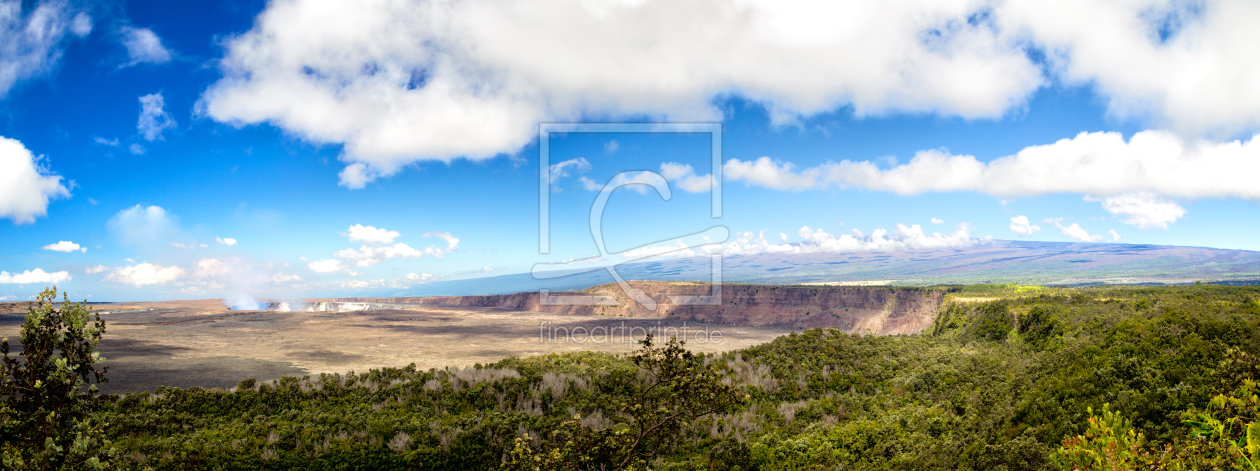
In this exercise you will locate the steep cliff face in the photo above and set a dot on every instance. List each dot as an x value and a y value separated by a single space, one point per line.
879 310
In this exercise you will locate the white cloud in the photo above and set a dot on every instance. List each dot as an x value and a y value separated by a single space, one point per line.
141 226
820 241
1100 163
685 177
635 181
225 241
280 278
368 256
558 171
938 221
360 284
1021 226
35 276
145 274
371 235
144 47
1151 163
330 266
783 236
612 146
452 243
64 246
1115 236
1144 210
403 81
423 277
106 142
1074 231
215 268
153 118
136 149
1188 66
25 184
81 25
94 270
30 38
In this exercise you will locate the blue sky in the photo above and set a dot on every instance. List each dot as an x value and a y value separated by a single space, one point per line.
158 150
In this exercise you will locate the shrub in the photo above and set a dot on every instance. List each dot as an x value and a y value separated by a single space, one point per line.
46 396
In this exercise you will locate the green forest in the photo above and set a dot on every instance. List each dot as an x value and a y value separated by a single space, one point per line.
1013 378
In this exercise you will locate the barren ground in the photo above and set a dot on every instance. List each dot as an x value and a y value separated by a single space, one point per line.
200 343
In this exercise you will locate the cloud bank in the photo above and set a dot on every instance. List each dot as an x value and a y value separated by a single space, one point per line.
1134 179
36 276
400 81
817 241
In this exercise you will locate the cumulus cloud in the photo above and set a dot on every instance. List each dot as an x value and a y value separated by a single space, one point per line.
153 118
145 274
423 277
562 169
1021 226
1099 163
938 221
36 276
452 243
64 246
281 278
225 241
403 81
371 235
30 38
1075 231
367 255
144 47
1144 210
819 241
1115 236
141 226
331 266
1186 66
635 181
26 185
215 268
1130 176
408 80
685 178
776 175
94 270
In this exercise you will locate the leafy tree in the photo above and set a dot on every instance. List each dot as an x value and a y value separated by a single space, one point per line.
47 395
680 386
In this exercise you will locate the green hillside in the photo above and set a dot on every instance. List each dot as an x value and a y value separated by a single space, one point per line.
998 383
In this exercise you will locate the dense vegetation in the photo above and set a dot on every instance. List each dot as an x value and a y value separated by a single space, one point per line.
1013 378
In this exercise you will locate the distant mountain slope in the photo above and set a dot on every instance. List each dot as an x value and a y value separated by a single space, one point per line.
1001 261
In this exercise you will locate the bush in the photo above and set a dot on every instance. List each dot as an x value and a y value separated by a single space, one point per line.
48 394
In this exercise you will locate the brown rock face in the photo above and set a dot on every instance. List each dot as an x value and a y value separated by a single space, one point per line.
877 310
